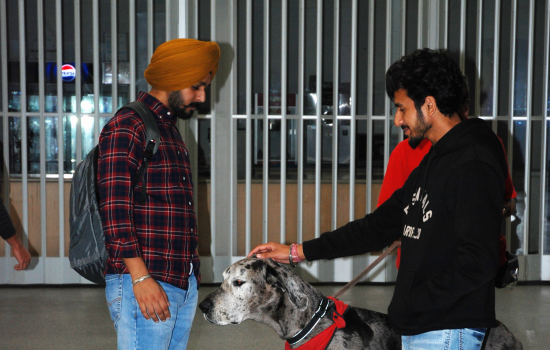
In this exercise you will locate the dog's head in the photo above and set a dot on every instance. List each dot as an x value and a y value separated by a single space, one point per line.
262 290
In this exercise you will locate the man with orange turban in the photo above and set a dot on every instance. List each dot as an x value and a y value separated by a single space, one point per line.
152 273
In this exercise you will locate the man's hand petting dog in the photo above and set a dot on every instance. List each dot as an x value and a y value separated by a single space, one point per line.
276 251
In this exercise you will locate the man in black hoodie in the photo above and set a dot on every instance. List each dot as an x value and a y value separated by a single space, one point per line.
447 214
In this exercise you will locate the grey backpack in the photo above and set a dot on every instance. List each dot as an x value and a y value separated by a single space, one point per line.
87 253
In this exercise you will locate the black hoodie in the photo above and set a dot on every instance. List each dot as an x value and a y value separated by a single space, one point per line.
448 216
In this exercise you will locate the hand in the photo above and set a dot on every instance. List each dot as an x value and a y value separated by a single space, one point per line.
23 258
20 252
276 251
152 300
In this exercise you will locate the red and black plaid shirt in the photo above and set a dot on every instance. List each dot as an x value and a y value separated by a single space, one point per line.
163 231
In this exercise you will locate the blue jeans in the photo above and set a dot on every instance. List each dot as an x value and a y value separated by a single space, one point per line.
134 331
446 339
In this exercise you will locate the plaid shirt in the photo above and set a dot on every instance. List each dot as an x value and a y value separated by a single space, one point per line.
163 231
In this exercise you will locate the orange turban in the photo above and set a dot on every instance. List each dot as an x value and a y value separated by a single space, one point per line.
180 63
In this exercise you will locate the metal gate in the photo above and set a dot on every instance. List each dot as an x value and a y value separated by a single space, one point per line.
297 132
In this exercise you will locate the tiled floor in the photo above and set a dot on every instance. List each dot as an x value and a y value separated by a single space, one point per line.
77 318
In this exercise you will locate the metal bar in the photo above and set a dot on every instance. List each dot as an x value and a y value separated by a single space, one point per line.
131 58
184 12
196 15
5 135
96 69
60 143
234 71
403 42
24 131
114 55
446 23
213 140
78 79
248 180
335 79
40 30
353 110
545 120
529 109
265 180
318 111
42 141
496 60
168 21
462 35
233 138
404 27
388 119
511 89
300 129
478 57
370 78
284 104
531 38
432 31
150 29
419 35
370 93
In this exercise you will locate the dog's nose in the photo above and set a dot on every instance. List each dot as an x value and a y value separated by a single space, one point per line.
205 305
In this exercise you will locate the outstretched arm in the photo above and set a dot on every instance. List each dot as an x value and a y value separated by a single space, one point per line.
276 251
373 232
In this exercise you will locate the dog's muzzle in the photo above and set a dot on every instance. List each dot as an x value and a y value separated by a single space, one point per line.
206 307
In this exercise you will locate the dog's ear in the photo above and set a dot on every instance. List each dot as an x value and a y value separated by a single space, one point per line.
281 277
273 278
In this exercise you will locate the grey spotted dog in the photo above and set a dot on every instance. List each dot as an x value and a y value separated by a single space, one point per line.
270 293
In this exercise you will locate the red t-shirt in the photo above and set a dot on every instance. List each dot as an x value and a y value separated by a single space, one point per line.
403 160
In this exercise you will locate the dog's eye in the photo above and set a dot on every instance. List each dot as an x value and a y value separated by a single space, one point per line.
238 283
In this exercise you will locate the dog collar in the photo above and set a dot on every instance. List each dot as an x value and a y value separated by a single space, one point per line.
323 339
317 316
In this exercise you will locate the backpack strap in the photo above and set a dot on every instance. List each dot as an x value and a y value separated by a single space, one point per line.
147 156
148 118
151 145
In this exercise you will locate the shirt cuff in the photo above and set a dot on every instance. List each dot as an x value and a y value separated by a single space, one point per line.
125 248
312 249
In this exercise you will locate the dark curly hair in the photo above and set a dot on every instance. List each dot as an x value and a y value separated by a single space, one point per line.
430 73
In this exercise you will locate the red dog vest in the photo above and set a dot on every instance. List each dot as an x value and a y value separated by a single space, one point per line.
321 340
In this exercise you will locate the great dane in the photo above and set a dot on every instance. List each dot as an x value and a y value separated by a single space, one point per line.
270 293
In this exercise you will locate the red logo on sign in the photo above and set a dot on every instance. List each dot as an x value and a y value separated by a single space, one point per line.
68 72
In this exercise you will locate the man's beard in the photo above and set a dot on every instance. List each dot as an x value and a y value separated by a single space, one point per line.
417 134
178 107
